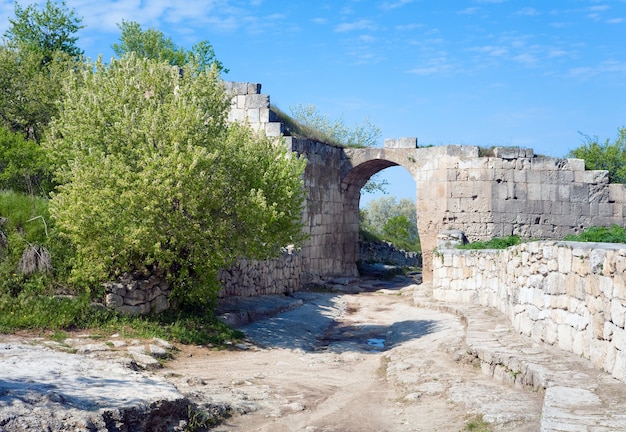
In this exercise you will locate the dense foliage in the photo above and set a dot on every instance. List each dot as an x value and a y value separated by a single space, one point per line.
153 178
610 155
46 32
24 165
391 220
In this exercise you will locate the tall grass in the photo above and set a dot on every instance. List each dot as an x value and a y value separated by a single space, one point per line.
27 215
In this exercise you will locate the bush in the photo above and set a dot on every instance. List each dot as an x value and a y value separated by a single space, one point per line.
155 179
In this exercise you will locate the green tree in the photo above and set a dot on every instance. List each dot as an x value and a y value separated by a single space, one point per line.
363 134
392 220
29 92
153 44
24 166
610 156
46 31
154 178
335 131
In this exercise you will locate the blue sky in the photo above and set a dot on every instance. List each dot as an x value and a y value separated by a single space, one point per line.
474 72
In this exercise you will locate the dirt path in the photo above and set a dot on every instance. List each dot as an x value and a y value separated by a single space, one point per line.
352 362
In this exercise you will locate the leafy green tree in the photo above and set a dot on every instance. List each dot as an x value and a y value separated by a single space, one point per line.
155 179
46 31
24 166
153 44
397 227
392 220
610 156
29 92
335 131
364 134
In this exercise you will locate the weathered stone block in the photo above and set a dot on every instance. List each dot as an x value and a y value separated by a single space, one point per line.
257 101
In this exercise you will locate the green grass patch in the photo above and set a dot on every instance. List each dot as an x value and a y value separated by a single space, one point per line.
612 234
60 314
25 214
494 243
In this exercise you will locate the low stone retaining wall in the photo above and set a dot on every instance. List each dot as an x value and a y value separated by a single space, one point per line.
568 294
138 295
387 253
252 278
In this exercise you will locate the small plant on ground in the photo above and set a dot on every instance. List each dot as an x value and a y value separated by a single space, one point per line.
494 243
477 424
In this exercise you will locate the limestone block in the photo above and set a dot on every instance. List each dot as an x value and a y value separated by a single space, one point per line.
252 115
241 102
406 142
619 338
254 88
274 129
237 115
237 88
113 300
265 115
564 259
618 310
565 176
257 101
566 337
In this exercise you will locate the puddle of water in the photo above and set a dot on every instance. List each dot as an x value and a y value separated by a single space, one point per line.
376 343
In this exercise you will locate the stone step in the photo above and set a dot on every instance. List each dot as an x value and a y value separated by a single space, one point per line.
577 396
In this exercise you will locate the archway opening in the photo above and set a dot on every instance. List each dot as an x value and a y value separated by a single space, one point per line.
388 238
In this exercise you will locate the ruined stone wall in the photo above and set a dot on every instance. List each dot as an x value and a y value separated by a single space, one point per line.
249 278
331 249
568 294
251 107
387 253
514 192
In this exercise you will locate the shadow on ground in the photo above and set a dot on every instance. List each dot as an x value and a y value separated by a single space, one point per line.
310 320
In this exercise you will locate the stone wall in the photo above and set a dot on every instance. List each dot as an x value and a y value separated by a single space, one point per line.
251 107
138 294
568 294
387 253
251 278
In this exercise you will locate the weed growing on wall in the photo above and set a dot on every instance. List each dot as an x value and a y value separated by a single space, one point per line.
494 243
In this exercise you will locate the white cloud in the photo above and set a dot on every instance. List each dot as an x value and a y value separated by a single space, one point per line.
435 66
395 4
469 11
615 21
528 11
493 51
609 67
356 25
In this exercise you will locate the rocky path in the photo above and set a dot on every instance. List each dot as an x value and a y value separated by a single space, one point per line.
355 362
368 356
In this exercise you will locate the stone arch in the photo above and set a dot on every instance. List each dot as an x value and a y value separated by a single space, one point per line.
358 167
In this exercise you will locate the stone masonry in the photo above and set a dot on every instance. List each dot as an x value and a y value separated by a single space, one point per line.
505 191
568 294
